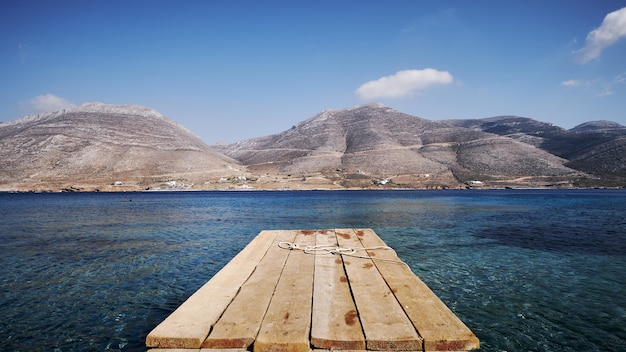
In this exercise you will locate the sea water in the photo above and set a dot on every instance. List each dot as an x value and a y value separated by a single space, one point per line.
526 270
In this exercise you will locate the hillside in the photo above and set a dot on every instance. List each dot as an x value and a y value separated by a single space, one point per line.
104 147
370 144
595 147
98 147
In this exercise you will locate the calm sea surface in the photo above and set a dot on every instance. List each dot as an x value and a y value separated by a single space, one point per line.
526 270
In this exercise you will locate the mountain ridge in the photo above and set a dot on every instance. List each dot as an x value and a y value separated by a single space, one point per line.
595 147
380 142
129 147
102 146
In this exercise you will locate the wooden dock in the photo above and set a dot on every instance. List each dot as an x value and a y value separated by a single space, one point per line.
303 290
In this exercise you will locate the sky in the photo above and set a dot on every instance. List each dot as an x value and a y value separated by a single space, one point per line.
233 70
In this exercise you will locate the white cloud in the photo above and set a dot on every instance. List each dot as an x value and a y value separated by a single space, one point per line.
601 87
577 83
612 29
46 103
620 79
571 83
606 91
403 83
609 87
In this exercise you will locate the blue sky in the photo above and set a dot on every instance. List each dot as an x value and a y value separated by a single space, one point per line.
232 70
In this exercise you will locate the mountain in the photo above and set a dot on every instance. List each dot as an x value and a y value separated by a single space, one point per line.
595 147
601 126
98 147
374 144
104 147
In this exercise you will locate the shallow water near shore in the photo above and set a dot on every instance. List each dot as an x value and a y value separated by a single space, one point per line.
524 269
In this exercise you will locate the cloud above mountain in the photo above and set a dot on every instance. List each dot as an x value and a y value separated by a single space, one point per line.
612 29
46 103
573 83
403 83
601 87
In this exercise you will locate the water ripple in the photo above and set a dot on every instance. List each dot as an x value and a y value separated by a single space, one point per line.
525 270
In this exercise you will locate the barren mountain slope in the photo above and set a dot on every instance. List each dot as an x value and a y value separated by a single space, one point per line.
375 142
595 147
96 146
127 147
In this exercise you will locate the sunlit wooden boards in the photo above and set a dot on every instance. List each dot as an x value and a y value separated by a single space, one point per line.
335 321
274 296
189 325
440 328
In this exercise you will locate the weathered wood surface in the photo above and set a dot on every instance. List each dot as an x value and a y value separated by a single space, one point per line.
240 323
441 329
287 322
335 322
385 325
270 298
189 325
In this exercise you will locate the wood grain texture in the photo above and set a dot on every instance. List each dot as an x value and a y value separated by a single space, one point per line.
241 321
287 324
270 298
440 328
189 325
335 321
385 325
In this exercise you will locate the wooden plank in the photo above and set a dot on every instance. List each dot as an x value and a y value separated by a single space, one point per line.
241 321
285 297
200 350
335 324
440 328
385 325
189 325
320 350
287 323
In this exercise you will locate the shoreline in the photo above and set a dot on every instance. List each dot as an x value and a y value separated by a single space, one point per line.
259 190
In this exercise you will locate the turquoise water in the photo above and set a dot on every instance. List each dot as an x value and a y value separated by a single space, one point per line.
539 270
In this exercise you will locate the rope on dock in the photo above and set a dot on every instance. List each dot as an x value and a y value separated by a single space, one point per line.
334 250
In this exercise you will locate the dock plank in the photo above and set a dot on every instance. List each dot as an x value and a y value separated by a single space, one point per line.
198 350
385 325
241 321
440 328
335 323
273 297
189 325
287 323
